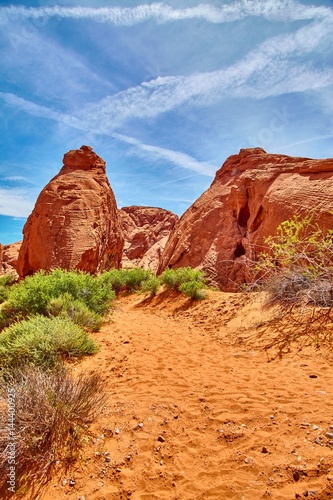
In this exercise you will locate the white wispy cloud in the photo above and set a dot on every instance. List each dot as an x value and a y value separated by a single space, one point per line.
304 141
158 153
276 10
15 202
275 67
176 157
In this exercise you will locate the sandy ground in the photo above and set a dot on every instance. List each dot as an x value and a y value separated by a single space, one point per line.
196 409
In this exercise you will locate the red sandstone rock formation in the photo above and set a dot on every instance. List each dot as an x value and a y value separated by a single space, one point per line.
10 257
252 193
146 230
74 224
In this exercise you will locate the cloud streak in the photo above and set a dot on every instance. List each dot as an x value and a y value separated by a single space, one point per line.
175 157
15 202
271 69
273 10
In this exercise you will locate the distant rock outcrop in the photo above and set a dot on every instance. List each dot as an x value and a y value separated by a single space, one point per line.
74 224
252 193
146 230
10 257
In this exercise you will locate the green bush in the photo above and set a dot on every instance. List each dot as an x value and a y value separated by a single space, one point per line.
186 280
5 282
151 285
77 311
33 295
115 279
42 341
129 280
193 289
53 413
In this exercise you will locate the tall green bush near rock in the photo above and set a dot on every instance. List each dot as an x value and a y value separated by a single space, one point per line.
35 293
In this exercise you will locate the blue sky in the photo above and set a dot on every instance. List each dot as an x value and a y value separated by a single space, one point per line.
163 92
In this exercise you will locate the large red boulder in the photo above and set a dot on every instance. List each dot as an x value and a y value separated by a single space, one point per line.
74 224
252 193
146 230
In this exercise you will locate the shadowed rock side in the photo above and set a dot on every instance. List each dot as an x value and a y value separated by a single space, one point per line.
252 193
74 224
146 230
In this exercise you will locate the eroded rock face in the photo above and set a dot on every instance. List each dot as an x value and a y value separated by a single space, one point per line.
252 193
10 257
74 224
146 230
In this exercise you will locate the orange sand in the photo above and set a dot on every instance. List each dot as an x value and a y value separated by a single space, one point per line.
195 410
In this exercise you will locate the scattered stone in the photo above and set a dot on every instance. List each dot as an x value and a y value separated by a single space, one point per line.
272 417
318 440
296 475
82 498
305 493
117 430
161 439
329 435
313 375
312 493
264 450
64 482
315 427
107 459
71 482
175 417
140 425
248 460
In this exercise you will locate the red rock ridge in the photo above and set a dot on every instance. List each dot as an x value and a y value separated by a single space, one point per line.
146 230
74 224
252 193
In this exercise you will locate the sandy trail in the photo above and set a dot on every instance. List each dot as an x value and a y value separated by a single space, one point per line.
193 413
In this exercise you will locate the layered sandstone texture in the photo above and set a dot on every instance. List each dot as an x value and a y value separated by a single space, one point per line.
146 230
10 257
74 224
252 193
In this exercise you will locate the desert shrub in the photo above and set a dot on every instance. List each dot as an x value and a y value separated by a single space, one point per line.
5 282
135 277
33 295
296 271
77 311
42 341
193 289
52 416
298 264
150 285
186 280
115 279
129 280
3 293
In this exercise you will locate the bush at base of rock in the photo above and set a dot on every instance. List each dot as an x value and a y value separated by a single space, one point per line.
186 280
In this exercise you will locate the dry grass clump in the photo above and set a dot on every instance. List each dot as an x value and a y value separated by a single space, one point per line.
52 416
296 271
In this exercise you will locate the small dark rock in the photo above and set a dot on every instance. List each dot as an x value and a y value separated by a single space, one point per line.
329 435
71 482
313 375
305 493
264 450
296 475
161 439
